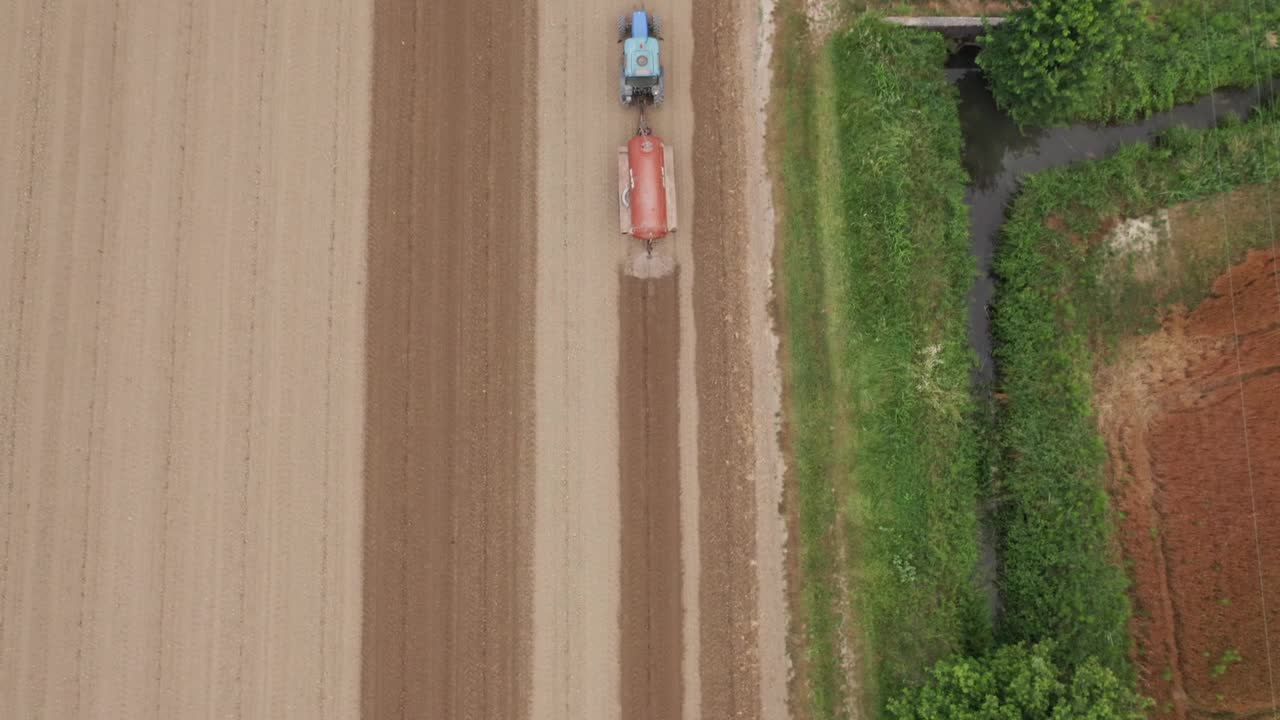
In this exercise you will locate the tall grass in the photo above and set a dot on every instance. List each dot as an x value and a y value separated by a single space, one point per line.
1194 47
1186 49
876 266
808 364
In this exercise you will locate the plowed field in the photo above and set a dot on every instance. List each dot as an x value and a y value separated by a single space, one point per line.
325 393
182 243
1193 427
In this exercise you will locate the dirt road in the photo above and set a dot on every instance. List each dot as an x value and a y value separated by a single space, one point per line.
576 513
181 259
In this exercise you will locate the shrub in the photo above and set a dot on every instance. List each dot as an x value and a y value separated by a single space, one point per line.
1054 58
1056 61
1017 682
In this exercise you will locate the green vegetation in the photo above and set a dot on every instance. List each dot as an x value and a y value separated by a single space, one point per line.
1020 682
876 266
1230 657
890 450
1055 58
1060 61
1060 305
809 378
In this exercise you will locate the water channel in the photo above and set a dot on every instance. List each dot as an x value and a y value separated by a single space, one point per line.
997 156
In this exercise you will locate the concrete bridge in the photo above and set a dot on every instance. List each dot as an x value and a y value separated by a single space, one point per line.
961 29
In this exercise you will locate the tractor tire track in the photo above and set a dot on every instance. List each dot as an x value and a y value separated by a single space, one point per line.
649 470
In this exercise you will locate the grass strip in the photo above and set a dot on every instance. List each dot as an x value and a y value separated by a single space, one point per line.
875 268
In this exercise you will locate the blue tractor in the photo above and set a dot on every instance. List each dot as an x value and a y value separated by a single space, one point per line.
642 76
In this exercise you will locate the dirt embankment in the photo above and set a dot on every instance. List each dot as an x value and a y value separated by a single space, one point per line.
449 355
1192 424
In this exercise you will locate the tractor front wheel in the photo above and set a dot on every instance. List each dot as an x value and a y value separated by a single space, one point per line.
624 27
655 26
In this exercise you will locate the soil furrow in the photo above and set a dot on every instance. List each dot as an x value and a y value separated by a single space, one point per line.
649 471
448 357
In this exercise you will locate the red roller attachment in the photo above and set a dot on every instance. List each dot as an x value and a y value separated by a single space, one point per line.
646 187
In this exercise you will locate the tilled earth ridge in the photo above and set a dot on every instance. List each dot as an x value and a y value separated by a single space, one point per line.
649 322
448 466
726 456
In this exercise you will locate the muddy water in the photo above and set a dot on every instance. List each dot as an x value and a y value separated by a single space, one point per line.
998 156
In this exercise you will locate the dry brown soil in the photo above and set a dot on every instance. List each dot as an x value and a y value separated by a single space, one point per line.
649 470
181 315
726 453
449 356
576 620
611 603
755 41
1192 426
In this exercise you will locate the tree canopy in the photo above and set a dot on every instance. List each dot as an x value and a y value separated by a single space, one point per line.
1018 682
1050 59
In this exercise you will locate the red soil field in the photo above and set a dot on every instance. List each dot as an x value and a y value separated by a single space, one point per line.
1192 422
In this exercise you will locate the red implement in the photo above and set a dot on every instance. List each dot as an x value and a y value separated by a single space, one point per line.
646 189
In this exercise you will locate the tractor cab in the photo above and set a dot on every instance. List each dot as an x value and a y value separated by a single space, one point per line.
642 78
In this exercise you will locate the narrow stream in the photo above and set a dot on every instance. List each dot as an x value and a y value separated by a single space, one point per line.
997 156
